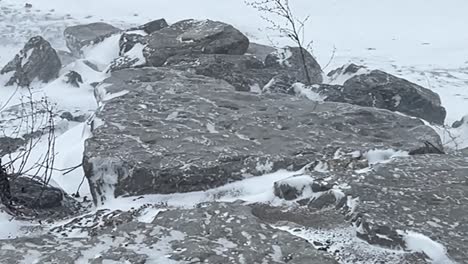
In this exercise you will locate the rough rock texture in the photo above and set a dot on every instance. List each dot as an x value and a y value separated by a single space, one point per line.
185 132
382 90
260 51
194 37
10 145
247 72
291 59
244 72
139 34
152 26
36 60
73 78
212 233
32 199
80 36
426 194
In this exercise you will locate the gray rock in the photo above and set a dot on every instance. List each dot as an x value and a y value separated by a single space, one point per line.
80 36
33 199
260 51
73 78
212 233
461 122
152 26
382 90
194 37
424 193
37 59
291 59
244 72
185 132
128 40
9 145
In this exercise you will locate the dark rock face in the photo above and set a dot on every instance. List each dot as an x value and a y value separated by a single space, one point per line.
133 36
36 60
73 78
152 26
382 90
212 233
461 122
10 145
34 199
424 193
290 59
172 117
194 37
244 72
80 36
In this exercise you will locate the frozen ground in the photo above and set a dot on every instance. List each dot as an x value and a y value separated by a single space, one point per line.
419 40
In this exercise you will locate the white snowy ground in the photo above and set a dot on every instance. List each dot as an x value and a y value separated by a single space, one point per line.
418 40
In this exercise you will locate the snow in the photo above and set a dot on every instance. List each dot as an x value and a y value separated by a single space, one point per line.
420 243
383 155
421 42
302 90
103 53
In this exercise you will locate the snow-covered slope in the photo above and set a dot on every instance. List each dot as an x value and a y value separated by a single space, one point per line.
418 40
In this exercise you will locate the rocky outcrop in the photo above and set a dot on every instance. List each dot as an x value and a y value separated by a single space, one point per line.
248 73
9 145
185 132
194 37
212 233
382 90
34 200
80 36
37 60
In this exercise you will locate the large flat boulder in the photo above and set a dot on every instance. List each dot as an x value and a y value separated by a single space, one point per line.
167 131
212 233
80 36
37 60
194 37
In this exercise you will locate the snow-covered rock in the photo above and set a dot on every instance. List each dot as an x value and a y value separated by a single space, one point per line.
37 59
382 90
194 37
80 36
173 116
292 59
